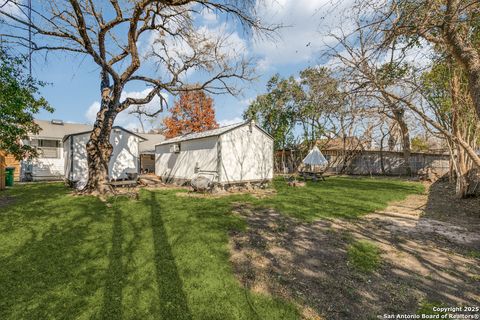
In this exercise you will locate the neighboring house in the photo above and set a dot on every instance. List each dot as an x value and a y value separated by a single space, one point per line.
232 154
147 151
49 165
125 156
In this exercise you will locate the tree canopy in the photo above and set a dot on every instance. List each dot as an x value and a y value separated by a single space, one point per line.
19 102
193 112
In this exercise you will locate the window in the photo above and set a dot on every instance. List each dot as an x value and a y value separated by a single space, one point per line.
47 148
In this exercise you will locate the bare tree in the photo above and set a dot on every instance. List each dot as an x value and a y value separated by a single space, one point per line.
109 33
384 72
373 73
451 25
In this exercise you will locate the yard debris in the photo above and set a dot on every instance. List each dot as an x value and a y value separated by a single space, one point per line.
296 183
428 174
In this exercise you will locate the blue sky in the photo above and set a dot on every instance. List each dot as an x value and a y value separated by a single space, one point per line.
73 88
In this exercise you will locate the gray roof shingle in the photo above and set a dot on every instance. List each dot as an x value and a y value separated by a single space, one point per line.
204 134
50 130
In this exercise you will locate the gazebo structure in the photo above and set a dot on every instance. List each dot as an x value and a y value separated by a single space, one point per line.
315 159
315 164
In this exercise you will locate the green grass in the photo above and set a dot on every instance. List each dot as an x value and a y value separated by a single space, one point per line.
339 197
426 308
159 257
364 256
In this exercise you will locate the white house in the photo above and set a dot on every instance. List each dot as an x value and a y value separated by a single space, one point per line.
125 157
237 153
49 165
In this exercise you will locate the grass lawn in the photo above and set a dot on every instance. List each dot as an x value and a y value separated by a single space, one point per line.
364 255
339 197
159 257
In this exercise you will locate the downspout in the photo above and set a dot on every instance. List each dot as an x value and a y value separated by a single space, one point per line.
71 158
219 159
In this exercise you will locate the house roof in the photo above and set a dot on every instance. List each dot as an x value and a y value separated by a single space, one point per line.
204 134
211 133
55 129
152 139
114 127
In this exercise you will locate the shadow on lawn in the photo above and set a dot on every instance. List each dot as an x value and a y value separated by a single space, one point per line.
308 261
112 299
171 302
51 275
172 299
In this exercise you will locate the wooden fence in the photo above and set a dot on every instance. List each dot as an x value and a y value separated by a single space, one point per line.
2 172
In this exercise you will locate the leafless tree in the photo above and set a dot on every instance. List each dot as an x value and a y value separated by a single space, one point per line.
372 73
447 24
109 33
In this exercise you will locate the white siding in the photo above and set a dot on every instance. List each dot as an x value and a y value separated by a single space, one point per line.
245 155
201 152
125 157
44 168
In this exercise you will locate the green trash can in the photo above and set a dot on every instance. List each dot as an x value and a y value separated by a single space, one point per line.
9 176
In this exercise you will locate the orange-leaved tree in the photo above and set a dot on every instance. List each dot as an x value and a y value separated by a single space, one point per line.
193 112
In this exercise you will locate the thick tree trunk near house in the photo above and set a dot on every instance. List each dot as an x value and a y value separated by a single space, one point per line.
474 85
462 182
99 151
469 58
399 116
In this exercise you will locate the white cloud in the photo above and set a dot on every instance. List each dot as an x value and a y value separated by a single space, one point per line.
209 16
124 118
246 102
91 113
10 7
306 24
226 122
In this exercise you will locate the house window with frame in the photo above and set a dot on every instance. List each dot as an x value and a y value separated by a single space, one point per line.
49 149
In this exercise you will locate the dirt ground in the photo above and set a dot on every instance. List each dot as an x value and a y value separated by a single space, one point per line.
429 245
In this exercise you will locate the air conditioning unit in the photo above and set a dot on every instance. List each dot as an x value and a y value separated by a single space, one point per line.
175 148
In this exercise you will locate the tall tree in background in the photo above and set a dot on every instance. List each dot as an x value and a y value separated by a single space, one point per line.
447 25
275 111
445 89
382 67
110 32
18 105
193 112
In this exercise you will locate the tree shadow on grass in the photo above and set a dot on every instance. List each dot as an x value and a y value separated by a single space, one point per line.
112 299
172 299
51 274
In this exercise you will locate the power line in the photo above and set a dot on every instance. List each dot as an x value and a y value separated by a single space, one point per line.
30 37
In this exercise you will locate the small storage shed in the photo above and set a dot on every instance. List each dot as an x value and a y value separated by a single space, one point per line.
233 154
125 156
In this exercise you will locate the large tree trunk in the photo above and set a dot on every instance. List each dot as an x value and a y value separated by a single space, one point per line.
469 57
99 150
462 163
399 115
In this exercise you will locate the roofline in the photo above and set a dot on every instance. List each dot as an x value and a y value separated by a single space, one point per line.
240 124
114 127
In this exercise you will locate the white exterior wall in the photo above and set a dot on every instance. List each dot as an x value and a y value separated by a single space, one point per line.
182 165
125 157
47 168
245 155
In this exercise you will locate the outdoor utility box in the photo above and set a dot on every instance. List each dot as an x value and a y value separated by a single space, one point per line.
9 171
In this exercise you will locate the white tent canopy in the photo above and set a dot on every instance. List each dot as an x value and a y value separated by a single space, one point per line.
315 158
